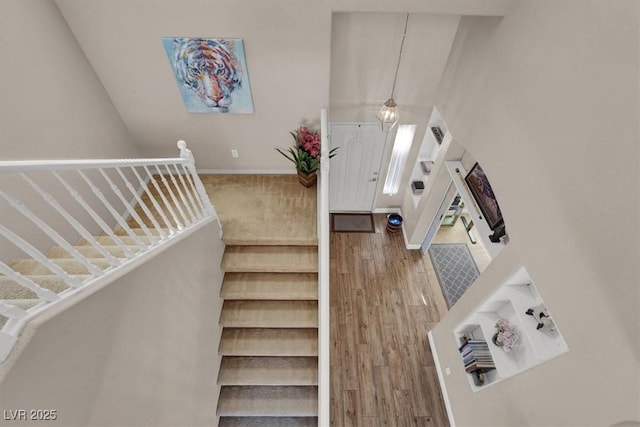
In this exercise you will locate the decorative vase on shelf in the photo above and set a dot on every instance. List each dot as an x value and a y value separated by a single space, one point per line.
307 179
494 339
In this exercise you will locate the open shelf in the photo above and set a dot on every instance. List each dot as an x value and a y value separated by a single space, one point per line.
430 147
534 346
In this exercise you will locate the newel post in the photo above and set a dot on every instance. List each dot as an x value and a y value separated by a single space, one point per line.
190 164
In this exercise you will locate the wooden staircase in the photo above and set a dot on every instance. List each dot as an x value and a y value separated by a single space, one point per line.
269 347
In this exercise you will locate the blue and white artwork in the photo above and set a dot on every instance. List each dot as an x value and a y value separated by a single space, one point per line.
211 74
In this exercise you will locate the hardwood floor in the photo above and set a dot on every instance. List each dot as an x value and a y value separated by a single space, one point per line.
384 300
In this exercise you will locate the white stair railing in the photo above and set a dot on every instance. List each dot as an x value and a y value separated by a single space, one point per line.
324 324
67 203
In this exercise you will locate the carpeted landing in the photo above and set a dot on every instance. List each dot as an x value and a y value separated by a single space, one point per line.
264 209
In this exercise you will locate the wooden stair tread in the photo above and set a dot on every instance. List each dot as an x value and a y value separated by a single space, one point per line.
270 286
269 314
269 342
268 422
274 259
265 370
268 401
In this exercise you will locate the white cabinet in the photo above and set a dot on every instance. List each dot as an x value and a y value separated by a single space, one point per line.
535 345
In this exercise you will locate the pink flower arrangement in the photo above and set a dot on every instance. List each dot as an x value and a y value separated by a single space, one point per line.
308 140
507 334
305 154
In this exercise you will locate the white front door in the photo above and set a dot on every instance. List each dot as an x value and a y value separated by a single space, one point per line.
355 170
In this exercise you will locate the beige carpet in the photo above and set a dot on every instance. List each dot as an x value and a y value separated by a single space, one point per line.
263 209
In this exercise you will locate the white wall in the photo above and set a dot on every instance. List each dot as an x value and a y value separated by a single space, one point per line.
547 101
52 106
287 53
141 351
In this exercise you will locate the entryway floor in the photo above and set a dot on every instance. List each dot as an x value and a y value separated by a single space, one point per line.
458 234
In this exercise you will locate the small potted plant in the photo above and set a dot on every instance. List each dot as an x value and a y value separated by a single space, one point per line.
506 335
305 154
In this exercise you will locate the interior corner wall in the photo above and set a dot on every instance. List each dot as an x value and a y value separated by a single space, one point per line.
546 100
140 351
52 106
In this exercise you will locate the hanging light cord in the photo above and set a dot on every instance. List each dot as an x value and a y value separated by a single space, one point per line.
404 35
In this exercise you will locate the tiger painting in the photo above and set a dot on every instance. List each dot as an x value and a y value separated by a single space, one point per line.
209 73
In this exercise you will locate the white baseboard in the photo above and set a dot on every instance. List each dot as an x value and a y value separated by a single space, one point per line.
385 210
247 171
443 387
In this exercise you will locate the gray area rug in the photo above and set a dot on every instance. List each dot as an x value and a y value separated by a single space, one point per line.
455 268
352 223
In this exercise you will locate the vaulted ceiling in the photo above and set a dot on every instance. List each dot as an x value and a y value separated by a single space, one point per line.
301 56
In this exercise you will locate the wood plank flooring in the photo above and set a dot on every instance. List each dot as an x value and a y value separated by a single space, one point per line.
384 300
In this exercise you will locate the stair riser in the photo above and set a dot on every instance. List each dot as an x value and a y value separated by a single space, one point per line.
265 259
269 371
270 286
269 314
269 342
268 401
268 422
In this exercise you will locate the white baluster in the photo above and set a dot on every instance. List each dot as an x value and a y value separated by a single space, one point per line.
177 187
155 204
103 225
193 190
113 212
179 225
42 293
144 207
192 202
11 311
40 257
53 234
186 154
71 220
127 205
173 196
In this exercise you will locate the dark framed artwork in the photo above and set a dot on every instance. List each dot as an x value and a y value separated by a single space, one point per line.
482 192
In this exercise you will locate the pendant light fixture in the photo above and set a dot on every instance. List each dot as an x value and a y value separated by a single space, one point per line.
388 114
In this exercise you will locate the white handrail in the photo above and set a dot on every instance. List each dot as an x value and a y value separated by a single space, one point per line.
98 189
324 324
61 165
